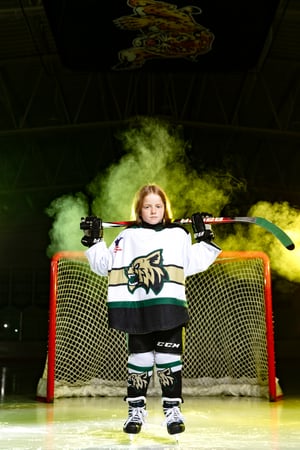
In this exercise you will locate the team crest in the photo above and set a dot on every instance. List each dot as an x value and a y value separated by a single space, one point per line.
147 272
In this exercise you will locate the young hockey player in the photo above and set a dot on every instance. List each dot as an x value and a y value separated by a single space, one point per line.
146 267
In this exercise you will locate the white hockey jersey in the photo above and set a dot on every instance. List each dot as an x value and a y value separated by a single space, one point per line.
146 268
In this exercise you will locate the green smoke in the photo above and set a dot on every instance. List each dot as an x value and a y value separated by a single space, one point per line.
283 262
66 212
156 152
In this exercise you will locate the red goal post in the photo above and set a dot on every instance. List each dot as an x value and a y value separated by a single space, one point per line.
229 341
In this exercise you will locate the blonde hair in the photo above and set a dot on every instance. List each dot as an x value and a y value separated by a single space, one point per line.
137 204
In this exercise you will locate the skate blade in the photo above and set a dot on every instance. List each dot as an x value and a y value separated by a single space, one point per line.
176 437
132 437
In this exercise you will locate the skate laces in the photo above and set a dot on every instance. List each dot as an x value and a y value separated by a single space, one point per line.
137 414
172 415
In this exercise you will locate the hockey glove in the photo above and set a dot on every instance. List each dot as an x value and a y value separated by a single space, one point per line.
202 231
92 229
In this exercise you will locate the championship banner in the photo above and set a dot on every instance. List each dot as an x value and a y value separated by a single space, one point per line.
122 35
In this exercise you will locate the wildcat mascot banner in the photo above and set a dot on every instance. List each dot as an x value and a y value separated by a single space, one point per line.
122 35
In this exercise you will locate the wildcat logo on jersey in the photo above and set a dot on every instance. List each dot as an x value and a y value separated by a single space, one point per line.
147 272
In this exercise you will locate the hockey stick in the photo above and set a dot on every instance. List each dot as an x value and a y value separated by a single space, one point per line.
264 223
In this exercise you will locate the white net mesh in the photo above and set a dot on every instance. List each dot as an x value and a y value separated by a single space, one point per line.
226 344
226 347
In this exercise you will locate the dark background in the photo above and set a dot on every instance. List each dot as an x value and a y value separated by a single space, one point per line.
61 106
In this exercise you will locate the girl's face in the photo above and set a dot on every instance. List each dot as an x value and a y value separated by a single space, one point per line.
153 209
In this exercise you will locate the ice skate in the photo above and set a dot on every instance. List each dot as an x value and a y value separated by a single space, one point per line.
136 415
173 417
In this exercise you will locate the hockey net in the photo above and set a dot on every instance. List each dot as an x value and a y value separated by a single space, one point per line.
229 341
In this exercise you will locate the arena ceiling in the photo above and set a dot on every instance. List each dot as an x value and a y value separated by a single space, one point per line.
247 102
48 80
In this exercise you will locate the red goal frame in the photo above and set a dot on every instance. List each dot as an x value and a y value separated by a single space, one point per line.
274 390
